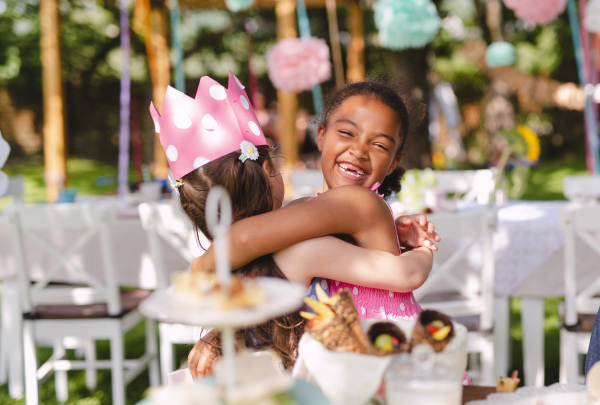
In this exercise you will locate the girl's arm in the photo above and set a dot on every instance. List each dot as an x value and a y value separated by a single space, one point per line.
349 210
332 258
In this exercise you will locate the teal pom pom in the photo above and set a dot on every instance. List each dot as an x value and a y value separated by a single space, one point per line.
500 54
406 23
238 5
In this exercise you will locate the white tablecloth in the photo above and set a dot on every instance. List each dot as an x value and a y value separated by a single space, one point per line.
133 264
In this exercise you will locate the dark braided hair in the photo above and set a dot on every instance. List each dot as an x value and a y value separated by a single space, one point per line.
387 95
250 193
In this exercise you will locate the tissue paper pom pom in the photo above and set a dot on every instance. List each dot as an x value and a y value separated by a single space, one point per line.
238 5
592 16
500 54
536 11
297 64
406 23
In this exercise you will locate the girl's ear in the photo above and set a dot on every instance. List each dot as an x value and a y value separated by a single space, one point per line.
320 137
267 169
394 165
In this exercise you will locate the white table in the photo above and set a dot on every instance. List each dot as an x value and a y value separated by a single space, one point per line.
528 249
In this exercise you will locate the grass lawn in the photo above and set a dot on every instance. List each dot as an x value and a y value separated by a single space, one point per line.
545 183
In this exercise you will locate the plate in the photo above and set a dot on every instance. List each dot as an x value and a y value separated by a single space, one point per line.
282 297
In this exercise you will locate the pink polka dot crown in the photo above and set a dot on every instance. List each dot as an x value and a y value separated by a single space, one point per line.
195 131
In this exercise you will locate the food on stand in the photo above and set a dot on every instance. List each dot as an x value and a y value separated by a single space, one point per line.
508 384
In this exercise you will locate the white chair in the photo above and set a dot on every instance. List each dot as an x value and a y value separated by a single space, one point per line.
169 232
582 188
581 226
467 186
94 310
306 183
469 299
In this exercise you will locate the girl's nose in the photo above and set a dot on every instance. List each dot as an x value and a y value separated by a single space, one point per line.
359 150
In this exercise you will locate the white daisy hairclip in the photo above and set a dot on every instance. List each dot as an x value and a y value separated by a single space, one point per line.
249 151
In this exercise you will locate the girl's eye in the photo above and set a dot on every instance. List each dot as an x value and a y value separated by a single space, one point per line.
347 133
382 146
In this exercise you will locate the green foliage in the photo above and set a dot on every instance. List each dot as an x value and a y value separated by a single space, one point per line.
541 57
458 69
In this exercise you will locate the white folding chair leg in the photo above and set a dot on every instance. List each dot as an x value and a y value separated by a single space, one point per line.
117 351
532 321
166 353
30 360
60 376
152 347
501 335
12 345
91 374
569 358
487 362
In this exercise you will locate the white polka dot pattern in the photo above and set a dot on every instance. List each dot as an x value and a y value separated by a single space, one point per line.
402 306
363 310
172 153
245 102
217 92
200 161
391 293
355 291
174 93
209 123
337 283
182 121
238 83
254 128
324 284
156 126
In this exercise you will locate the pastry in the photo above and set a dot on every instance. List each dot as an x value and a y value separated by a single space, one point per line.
388 338
432 328
508 384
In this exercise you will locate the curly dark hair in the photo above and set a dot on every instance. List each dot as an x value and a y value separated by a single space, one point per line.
250 193
387 94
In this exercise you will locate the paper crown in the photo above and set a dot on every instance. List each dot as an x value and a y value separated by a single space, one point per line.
195 131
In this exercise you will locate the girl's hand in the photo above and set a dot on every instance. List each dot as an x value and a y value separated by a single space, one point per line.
417 231
202 356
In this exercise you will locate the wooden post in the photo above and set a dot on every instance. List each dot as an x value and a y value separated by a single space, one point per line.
155 39
54 131
355 57
285 11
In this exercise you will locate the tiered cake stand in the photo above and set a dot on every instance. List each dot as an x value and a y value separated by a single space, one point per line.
281 296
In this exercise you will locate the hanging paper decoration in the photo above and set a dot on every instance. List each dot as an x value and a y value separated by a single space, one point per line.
406 23
500 54
298 64
536 11
238 5
592 16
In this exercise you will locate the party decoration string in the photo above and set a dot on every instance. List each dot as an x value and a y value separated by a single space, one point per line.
124 100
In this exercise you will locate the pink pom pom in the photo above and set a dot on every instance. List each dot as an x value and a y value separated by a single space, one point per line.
297 64
536 11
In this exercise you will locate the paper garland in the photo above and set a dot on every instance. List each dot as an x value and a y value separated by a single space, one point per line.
406 23
536 11
500 54
297 64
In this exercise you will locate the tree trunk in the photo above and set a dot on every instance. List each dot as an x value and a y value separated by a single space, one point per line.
409 68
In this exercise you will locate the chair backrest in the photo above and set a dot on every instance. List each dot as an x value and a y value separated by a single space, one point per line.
306 183
467 185
581 188
581 225
444 290
44 228
168 230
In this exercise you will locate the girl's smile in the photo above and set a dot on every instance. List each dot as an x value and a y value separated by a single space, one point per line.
359 144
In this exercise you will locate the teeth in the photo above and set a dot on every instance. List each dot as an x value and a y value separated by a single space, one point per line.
356 173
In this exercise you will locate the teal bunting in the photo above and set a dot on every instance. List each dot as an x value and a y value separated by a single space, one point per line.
500 54
406 23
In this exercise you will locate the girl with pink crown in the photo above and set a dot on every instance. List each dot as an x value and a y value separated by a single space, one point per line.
215 139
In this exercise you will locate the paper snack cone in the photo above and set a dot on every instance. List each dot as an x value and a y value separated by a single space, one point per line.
344 308
420 334
336 335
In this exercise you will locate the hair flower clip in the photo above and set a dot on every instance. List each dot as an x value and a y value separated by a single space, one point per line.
249 151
